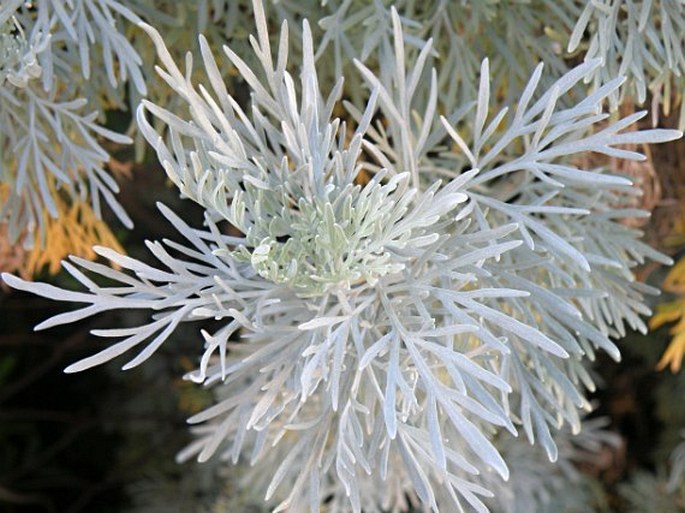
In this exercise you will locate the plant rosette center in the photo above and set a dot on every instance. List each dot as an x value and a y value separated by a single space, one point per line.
349 236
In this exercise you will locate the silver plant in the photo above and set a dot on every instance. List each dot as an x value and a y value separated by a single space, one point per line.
379 337
67 39
643 40
50 134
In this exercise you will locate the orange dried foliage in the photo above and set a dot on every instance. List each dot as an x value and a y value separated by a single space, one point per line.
73 232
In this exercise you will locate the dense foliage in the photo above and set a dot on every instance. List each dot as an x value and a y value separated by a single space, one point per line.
407 262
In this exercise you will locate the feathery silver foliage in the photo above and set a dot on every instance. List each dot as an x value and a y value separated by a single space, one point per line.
643 40
379 335
49 131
